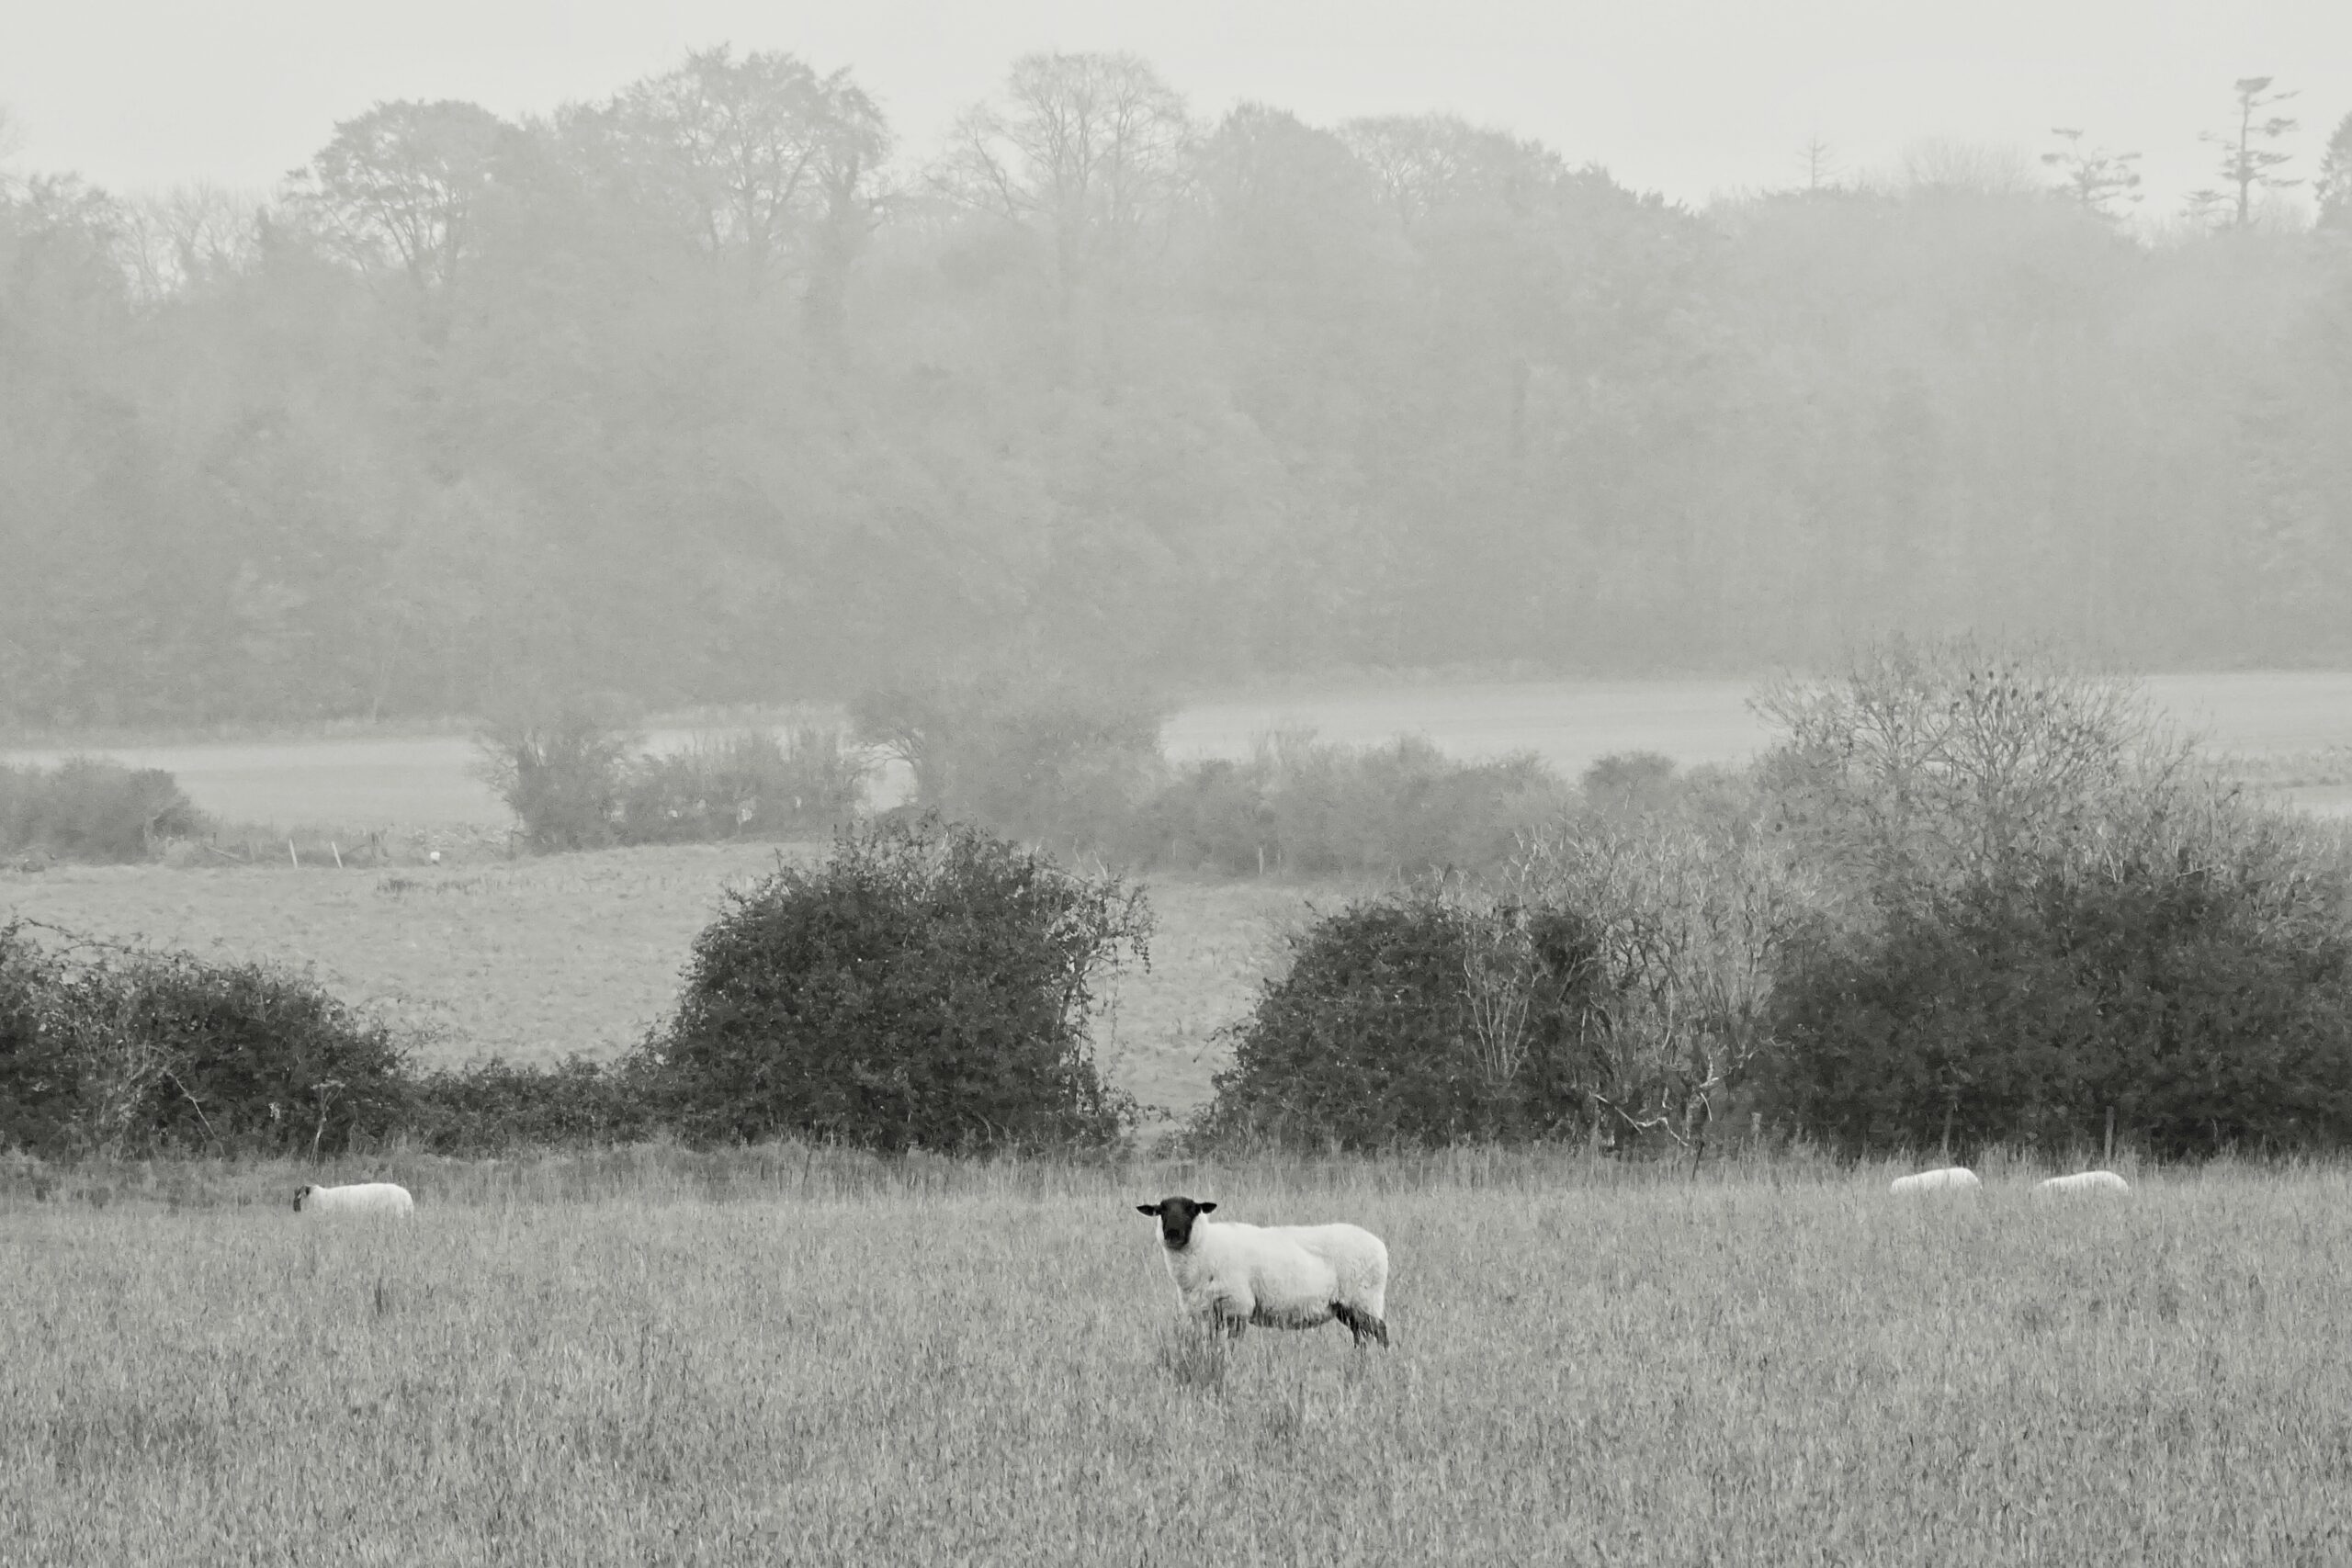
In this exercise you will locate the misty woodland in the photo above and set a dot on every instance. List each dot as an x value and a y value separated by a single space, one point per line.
711 391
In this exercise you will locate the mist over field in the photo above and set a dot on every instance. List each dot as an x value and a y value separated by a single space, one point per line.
766 664
720 387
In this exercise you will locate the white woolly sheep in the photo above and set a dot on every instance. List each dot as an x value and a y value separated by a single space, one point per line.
361 1197
1231 1275
1952 1179
2086 1181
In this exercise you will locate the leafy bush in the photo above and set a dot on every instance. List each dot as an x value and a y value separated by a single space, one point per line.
576 778
1419 1019
91 808
127 1052
495 1107
750 784
2205 998
39 1079
1629 782
928 984
561 774
1315 808
2045 908
1044 760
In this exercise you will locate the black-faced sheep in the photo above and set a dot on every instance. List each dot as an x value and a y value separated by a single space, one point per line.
1231 1275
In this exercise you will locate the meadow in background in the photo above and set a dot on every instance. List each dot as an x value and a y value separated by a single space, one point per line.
534 959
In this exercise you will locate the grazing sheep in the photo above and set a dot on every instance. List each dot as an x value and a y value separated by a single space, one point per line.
1232 1275
362 1198
1952 1179
2086 1181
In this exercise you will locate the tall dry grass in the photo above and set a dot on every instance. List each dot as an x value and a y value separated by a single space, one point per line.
938 1363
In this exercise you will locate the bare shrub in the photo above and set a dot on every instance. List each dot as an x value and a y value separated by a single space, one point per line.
1692 927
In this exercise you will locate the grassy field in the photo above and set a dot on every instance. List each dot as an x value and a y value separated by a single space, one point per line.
661 1360
535 959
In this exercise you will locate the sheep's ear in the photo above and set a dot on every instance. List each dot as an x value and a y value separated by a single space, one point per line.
1151 1209
1205 1208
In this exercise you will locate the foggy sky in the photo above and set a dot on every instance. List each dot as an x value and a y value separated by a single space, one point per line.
1693 97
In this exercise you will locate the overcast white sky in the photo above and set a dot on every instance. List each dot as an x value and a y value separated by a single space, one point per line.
1691 97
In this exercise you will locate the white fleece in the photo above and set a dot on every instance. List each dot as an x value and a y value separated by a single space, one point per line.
360 1198
1279 1276
2087 1181
1954 1177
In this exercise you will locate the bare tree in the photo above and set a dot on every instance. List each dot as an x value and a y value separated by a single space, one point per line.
852 197
1425 163
1692 925
188 236
1926 762
1818 161
400 186
2248 163
1943 165
757 159
1089 149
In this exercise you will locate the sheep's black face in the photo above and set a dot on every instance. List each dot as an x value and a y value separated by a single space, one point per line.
1176 1217
300 1193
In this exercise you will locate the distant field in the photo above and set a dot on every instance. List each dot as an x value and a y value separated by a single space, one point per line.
982 1366
426 782
535 959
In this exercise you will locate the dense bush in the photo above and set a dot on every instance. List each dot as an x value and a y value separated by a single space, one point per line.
928 984
578 779
1052 763
495 1107
750 784
128 1051
40 1098
2023 1011
2044 911
1420 1018
561 774
89 808
1629 782
1314 808
1043 760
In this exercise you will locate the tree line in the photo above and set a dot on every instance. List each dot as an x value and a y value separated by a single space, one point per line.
1969 897
710 391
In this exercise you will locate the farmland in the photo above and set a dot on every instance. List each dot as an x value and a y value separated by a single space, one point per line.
422 782
661 1360
532 960
781 1354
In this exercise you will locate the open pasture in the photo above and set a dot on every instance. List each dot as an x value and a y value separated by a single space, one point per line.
535 959
1773 1365
427 782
